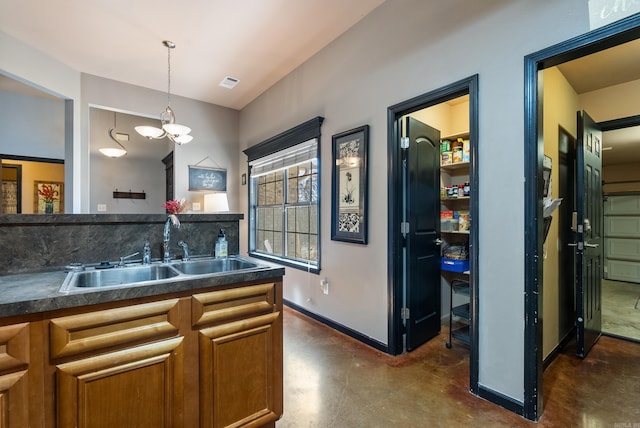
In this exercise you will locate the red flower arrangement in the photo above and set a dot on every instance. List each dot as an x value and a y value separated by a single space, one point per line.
174 206
48 193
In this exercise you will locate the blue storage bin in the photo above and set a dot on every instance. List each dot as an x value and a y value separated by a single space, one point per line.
453 265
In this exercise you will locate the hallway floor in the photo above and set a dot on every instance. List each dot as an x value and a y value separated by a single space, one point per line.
332 380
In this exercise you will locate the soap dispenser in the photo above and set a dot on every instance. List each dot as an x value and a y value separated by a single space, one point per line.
221 246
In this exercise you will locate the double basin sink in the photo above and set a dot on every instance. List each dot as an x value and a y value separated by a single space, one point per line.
131 275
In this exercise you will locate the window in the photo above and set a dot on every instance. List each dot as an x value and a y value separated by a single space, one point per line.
284 195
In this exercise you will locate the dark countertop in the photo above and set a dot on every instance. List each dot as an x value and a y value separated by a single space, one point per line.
30 293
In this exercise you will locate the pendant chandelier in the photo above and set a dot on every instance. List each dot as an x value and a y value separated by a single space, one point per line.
177 133
117 151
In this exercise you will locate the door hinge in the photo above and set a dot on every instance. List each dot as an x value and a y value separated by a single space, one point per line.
404 143
404 313
404 227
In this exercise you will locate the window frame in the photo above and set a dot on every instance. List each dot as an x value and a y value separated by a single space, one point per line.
302 133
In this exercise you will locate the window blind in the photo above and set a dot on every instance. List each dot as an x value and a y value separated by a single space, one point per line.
294 155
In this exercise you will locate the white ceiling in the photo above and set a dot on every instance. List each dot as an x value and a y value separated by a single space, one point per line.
256 41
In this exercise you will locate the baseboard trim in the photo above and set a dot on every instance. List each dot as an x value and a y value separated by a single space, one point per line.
339 327
501 400
559 347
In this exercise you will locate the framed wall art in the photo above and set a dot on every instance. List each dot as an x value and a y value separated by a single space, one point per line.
349 186
208 179
48 197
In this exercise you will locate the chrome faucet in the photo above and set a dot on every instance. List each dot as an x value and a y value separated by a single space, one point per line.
185 250
171 219
146 254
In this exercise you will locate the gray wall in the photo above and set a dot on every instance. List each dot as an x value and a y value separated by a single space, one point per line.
140 170
400 51
214 130
33 126
30 66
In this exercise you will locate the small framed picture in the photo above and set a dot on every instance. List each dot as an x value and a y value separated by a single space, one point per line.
349 186
48 197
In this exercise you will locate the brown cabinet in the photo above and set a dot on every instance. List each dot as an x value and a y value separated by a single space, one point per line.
212 359
14 379
240 340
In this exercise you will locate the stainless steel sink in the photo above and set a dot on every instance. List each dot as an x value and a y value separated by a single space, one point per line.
209 266
95 279
116 277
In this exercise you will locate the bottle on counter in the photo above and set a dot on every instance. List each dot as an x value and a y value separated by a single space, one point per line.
221 246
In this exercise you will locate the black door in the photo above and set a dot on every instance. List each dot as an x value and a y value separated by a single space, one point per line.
423 218
589 233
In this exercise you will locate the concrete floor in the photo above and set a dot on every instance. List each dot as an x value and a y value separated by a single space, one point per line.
621 309
332 380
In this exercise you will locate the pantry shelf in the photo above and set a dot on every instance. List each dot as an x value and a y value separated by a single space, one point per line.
455 166
455 199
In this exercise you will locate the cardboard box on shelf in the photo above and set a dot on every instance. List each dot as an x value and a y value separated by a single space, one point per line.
446 214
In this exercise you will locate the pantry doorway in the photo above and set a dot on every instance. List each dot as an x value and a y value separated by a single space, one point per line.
398 228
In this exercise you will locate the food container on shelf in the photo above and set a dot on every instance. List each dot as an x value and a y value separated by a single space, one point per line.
446 158
466 152
463 221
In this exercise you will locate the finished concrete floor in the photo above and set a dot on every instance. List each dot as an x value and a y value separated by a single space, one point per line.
621 309
332 380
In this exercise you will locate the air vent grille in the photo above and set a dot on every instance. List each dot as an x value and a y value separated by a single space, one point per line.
229 82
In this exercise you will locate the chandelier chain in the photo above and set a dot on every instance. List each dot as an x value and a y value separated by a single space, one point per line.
169 75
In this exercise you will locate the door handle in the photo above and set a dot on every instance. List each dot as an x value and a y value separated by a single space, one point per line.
586 244
572 244
438 241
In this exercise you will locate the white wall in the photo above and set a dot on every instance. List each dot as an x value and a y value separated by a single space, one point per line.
404 49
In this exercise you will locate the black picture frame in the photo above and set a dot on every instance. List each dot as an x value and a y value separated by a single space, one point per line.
349 186
207 179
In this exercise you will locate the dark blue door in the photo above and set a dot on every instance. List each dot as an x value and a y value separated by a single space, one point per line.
423 236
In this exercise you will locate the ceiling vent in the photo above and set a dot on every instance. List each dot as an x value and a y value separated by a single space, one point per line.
229 82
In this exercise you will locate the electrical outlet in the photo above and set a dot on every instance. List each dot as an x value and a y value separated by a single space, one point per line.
102 207
324 286
195 206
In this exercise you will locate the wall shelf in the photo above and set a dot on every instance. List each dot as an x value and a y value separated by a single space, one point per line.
129 195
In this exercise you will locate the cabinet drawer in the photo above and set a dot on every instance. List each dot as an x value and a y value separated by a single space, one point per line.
228 305
99 330
623 227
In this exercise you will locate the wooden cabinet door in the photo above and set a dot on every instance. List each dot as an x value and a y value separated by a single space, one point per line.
14 365
240 356
121 367
137 387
